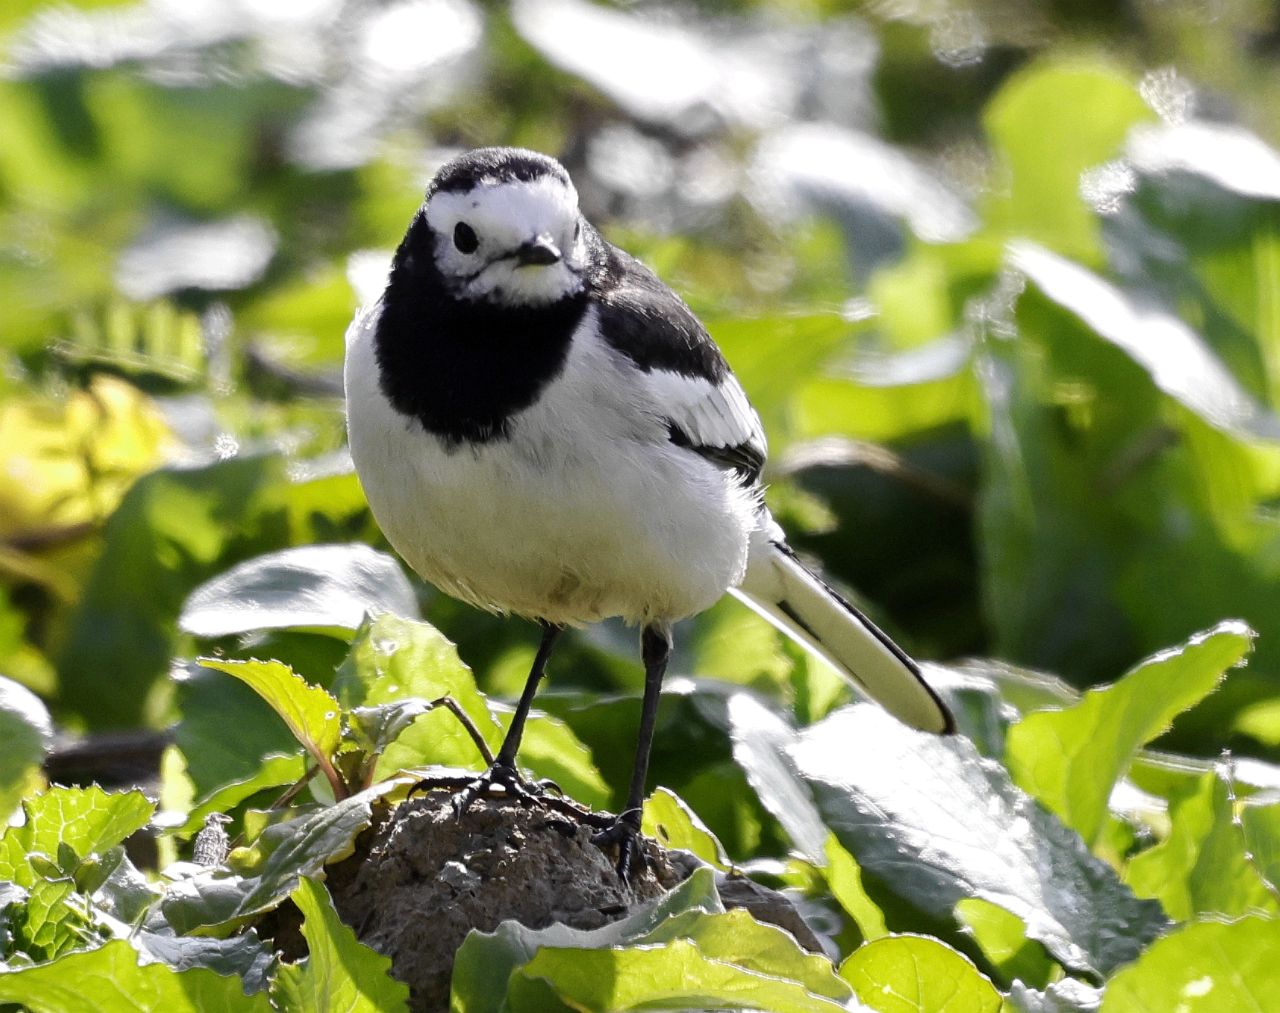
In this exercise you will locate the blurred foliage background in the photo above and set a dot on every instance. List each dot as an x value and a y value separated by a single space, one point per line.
1002 279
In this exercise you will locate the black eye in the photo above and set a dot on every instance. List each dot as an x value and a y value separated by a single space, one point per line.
465 238
577 231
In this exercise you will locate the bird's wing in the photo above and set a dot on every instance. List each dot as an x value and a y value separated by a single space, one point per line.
705 407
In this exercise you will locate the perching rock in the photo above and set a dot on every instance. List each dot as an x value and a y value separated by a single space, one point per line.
421 879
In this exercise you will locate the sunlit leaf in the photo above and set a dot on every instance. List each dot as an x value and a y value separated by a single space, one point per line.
27 732
87 821
1176 357
311 585
1202 967
310 713
1070 758
916 974
669 975
340 974
670 821
217 899
1091 105
934 823
1002 937
112 979
393 658
1202 867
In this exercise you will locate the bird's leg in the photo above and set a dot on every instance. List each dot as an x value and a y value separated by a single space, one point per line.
502 771
655 650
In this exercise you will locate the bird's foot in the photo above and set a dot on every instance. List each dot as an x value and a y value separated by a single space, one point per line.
506 777
624 832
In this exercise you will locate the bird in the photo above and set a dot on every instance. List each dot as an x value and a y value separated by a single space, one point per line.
544 429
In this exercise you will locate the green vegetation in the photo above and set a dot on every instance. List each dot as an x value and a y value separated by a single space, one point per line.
1005 288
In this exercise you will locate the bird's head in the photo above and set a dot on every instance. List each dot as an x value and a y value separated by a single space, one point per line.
506 228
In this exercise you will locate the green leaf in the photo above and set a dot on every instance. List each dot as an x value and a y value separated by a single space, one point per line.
1202 967
486 960
1178 360
243 955
393 658
311 714
1092 107
216 900
26 731
932 822
760 741
1071 758
111 979
844 879
340 974
670 821
1261 827
1202 866
311 585
1002 937
87 821
671 975
1070 995
916 974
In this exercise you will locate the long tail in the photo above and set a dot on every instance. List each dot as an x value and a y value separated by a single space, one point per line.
783 590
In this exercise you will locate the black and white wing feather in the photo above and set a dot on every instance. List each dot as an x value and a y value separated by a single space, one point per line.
705 407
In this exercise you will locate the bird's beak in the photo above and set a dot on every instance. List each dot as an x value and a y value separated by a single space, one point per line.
539 250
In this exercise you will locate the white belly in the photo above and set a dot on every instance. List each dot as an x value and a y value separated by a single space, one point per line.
586 511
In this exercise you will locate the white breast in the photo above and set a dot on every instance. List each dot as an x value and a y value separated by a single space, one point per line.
587 511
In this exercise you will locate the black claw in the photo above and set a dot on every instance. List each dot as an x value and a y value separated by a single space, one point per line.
623 832
500 775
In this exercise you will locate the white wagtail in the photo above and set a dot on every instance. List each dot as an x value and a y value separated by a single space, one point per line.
543 428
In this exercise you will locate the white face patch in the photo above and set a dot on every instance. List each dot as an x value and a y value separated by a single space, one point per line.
503 217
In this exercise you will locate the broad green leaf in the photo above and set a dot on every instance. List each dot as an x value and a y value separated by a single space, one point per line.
760 740
1092 106
916 974
669 975
1202 967
111 979
51 921
274 772
1261 827
932 822
393 658
311 585
311 714
1178 360
263 753
1202 867
244 955
26 731
486 960
1002 937
735 937
216 900
340 973
670 821
69 462
375 728
1070 995
844 879
1071 758
85 821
